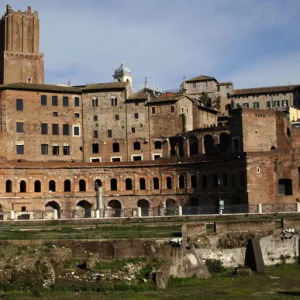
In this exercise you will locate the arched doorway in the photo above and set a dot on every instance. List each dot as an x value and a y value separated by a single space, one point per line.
55 206
85 209
209 144
116 207
193 141
191 206
144 205
171 207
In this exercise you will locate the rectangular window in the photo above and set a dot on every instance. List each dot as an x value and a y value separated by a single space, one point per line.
66 150
153 110
54 101
256 105
19 104
65 101
285 103
20 127
117 118
76 130
95 118
66 129
133 129
268 104
194 85
55 114
76 101
95 148
43 100
109 133
55 130
276 103
246 105
55 150
76 115
44 149
44 128
136 158
95 134
20 149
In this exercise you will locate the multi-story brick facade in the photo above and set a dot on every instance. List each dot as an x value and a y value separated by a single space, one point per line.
158 151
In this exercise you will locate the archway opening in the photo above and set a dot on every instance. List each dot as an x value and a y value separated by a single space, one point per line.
209 144
224 142
191 206
113 184
56 206
142 184
169 183
171 207
8 186
144 205
85 209
155 183
193 141
116 208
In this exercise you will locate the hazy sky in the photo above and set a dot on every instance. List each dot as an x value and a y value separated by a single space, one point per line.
250 42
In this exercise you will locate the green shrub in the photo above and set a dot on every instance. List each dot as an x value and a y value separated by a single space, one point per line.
214 266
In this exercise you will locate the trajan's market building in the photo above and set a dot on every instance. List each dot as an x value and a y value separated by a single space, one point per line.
100 150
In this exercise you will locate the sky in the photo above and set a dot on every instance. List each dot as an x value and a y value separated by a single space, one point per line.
249 42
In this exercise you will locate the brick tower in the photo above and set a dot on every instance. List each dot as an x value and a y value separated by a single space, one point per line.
20 60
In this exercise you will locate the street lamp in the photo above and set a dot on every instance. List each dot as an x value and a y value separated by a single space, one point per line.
221 202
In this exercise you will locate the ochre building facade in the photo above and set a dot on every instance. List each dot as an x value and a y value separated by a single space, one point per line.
100 150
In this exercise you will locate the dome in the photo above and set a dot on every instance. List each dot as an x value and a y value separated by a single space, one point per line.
122 69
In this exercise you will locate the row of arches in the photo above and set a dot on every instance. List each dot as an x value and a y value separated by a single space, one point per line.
222 143
183 181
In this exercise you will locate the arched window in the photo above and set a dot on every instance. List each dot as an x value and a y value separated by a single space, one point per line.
52 186
142 184
169 183
181 182
233 179
113 184
193 141
98 183
128 184
114 101
67 185
136 116
23 186
204 181
37 186
209 144
137 146
224 180
155 183
194 183
94 102
8 186
82 185
116 147
157 144
215 180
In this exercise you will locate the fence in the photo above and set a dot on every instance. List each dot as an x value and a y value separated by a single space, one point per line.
150 212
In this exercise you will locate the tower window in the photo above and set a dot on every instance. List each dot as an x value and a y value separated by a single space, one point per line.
94 102
20 127
76 101
44 128
95 148
66 129
153 110
109 133
136 116
114 101
117 117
